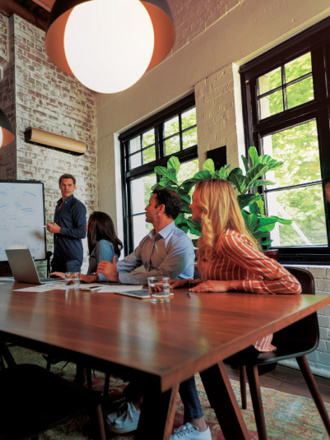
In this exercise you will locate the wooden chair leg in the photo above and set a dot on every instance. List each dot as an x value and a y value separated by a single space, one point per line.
254 383
100 423
242 382
313 388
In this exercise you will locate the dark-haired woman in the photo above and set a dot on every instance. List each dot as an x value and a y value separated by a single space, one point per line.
103 244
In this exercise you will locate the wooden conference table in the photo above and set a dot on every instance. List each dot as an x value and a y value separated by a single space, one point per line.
159 345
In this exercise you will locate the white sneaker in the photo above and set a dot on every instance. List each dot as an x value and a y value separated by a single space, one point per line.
124 420
190 432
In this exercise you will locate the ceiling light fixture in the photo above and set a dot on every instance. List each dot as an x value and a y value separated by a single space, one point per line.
6 130
109 44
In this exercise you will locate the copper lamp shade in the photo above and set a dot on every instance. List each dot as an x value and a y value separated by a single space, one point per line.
158 14
6 130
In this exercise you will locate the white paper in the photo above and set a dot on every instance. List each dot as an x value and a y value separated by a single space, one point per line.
42 287
104 288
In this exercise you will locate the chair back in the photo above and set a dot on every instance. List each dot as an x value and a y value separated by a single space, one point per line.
304 334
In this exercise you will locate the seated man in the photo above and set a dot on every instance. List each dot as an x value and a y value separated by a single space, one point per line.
165 251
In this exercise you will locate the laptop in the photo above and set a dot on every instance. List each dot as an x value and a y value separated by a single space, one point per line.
23 268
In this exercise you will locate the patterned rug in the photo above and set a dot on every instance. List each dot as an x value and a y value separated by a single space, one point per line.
288 417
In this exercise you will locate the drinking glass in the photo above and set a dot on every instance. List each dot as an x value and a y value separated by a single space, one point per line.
159 288
72 280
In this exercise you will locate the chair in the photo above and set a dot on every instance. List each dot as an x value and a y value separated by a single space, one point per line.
34 400
5 356
294 341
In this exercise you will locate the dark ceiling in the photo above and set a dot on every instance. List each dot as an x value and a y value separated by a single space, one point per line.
34 11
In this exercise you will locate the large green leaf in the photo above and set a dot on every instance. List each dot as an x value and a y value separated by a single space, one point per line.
251 221
238 181
208 165
246 163
254 173
174 164
253 153
202 175
223 172
194 226
162 171
270 162
246 199
260 182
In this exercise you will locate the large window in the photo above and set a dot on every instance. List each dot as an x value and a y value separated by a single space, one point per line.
152 143
286 105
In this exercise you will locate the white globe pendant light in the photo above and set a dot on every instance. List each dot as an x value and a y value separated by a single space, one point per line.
109 44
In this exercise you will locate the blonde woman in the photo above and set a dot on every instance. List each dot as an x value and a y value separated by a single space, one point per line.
228 256
228 259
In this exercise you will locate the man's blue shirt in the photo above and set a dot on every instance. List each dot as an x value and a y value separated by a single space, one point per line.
168 253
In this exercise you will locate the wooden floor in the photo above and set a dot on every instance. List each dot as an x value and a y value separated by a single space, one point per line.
289 380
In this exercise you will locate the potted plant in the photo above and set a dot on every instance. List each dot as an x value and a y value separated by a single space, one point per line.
246 186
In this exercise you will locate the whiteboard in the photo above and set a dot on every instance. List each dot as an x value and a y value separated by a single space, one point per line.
22 217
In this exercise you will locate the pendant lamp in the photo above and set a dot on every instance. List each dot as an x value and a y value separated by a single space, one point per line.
6 130
109 44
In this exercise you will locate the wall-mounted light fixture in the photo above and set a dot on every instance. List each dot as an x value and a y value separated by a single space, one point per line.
6 130
108 45
54 141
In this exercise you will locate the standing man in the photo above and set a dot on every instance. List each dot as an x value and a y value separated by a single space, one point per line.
69 228
165 251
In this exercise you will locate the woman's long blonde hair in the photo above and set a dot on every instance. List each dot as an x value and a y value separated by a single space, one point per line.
219 211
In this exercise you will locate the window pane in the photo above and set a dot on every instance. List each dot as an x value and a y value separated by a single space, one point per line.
141 192
269 81
188 118
140 228
305 207
300 92
189 138
172 145
149 155
187 170
271 104
134 145
135 160
298 67
148 138
298 149
171 126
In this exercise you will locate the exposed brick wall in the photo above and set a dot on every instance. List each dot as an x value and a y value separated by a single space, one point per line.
48 99
192 17
215 111
7 96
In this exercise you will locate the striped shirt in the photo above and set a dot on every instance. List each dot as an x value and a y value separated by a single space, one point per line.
237 259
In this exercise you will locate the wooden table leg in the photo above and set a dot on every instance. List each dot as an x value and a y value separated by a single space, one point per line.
157 414
222 399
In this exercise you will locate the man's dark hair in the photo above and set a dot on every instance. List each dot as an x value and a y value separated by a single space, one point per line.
171 200
67 176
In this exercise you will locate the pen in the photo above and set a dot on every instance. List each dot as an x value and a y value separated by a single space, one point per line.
41 227
188 294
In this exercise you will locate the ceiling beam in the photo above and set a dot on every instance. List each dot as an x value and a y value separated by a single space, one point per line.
9 7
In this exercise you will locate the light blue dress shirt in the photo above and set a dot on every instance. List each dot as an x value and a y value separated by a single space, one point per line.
168 253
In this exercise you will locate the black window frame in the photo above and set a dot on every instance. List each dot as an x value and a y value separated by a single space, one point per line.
155 122
316 40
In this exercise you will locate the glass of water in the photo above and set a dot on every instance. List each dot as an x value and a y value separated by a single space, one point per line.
159 288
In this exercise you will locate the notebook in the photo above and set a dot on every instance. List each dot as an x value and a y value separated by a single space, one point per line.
23 268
